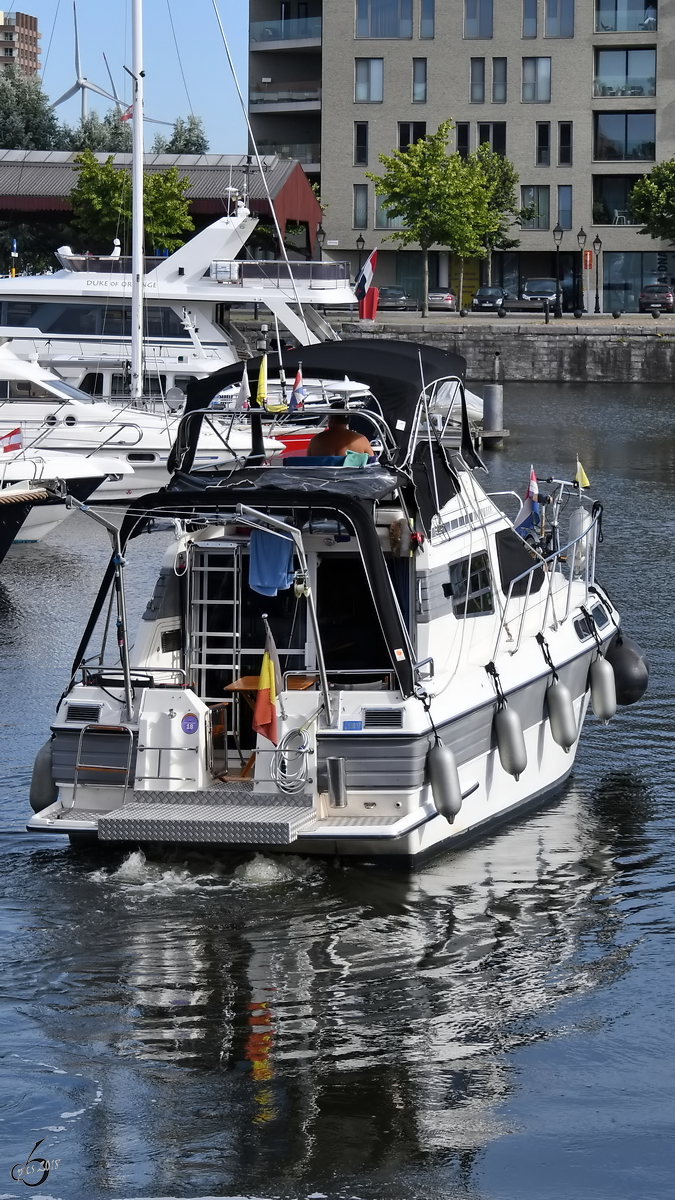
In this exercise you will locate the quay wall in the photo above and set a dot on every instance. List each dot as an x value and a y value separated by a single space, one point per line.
572 353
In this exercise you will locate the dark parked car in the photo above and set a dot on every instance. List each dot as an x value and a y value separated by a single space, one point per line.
489 299
395 297
657 295
533 295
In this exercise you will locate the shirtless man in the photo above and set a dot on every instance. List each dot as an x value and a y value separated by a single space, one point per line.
337 438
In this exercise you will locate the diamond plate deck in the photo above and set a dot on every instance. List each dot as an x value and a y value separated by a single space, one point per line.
276 825
235 793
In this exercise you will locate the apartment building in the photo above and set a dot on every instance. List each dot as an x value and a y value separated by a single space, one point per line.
19 42
577 93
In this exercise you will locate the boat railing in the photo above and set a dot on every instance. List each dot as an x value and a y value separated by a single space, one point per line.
382 674
277 273
577 558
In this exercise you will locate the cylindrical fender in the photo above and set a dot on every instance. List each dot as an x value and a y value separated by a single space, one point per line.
561 715
631 668
580 520
510 741
603 689
444 779
43 790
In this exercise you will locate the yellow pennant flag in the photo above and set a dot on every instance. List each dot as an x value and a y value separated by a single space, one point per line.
581 477
261 394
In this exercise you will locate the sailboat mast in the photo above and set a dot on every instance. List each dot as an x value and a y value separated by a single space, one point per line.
137 231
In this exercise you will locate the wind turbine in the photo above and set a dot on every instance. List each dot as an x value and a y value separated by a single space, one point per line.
82 84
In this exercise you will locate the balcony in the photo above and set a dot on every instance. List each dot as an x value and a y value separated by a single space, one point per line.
625 16
608 86
272 35
307 153
299 95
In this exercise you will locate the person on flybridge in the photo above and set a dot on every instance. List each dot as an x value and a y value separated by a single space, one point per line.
337 438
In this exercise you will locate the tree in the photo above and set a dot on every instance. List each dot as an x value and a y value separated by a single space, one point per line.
102 197
652 202
441 197
188 137
26 120
501 178
102 135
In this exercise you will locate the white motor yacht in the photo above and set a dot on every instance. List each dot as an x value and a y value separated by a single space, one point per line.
52 415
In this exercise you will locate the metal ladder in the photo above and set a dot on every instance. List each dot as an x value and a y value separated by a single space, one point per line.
215 597
115 731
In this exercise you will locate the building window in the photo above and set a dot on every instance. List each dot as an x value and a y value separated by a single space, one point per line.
536 80
564 143
382 218
543 156
539 199
494 133
419 81
462 138
470 586
565 205
559 18
611 199
625 16
625 136
529 18
360 205
477 18
360 143
625 73
477 80
384 19
410 132
369 80
427 19
499 81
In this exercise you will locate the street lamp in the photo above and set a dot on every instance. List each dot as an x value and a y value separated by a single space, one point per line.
321 238
597 247
360 246
581 239
557 238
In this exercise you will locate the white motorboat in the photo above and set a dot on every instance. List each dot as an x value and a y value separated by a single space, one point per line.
30 471
434 668
55 416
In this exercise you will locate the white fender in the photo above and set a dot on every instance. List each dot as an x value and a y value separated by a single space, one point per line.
561 715
579 523
444 779
603 689
510 741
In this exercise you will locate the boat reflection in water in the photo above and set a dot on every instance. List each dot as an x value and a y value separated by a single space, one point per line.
305 1021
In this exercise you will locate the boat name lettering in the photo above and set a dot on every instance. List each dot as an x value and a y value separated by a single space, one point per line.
117 283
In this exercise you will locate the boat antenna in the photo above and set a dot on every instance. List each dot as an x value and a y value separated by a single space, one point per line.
244 109
137 224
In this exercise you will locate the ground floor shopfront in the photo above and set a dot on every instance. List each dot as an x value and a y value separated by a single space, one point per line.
618 276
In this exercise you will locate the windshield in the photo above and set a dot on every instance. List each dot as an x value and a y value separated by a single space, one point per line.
488 291
28 389
657 287
540 285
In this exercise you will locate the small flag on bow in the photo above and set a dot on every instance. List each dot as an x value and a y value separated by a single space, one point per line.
299 392
244 390
527 520
11 441
269 686
581 477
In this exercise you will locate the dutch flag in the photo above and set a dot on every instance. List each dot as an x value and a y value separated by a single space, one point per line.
299 393
528 518
364 278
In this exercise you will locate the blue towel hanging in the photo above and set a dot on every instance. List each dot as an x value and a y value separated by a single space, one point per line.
271 563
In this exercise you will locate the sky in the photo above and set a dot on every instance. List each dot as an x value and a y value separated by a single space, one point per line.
105 25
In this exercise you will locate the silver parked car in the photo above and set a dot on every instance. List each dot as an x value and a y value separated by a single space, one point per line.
443 301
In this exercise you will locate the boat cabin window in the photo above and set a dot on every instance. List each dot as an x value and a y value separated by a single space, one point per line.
153 385
183 381
23 389
92 383
470 586
100 318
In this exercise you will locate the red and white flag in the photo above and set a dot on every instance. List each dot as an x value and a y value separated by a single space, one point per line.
11 441
364 278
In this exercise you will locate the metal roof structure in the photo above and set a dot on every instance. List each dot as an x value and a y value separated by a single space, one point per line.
41 181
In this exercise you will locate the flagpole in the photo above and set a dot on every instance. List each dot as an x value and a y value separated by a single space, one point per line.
282 373
137 230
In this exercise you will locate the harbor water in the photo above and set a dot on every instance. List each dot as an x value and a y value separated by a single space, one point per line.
494 1025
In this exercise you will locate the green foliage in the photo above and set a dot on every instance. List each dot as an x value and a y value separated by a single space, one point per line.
501 179
101 203
36 244
102 135
652 202
188 137
26 120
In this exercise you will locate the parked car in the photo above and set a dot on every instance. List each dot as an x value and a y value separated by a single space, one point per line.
539 289
489 298
443 301
657 295
395 297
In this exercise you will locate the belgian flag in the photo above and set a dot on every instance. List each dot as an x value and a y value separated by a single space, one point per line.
265 711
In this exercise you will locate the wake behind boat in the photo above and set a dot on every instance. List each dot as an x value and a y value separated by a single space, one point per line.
342 659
